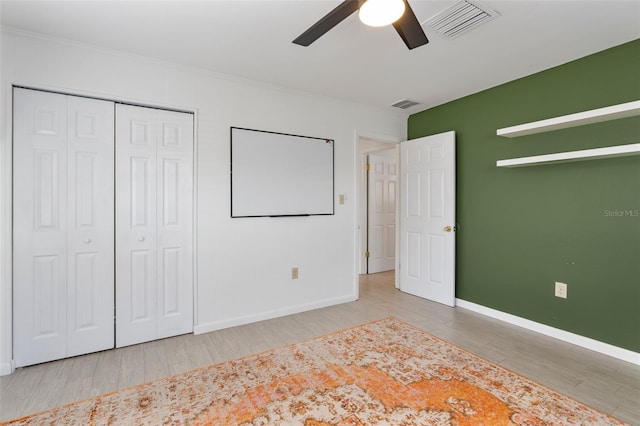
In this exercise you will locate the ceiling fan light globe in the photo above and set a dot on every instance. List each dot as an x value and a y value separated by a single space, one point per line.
378 13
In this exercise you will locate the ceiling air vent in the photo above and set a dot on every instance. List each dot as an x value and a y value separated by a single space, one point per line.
405 103
460 18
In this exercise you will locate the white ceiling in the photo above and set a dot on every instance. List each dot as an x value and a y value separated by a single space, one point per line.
252 39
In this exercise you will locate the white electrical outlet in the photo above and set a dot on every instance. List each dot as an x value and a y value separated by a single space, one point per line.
561 290
294 273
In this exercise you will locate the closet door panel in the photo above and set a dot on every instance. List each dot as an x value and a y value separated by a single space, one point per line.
40 228
175 223
136 253
154 224
90 216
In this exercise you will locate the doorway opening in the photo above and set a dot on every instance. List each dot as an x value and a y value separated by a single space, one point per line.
377 205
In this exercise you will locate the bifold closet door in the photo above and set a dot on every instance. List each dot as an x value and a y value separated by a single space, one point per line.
154 224
63 218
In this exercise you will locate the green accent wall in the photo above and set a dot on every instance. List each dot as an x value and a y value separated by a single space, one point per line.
522 229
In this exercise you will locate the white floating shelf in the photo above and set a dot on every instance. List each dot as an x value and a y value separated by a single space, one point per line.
612 112
585 154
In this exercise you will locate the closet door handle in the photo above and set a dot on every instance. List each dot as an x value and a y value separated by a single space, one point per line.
141 239
86 240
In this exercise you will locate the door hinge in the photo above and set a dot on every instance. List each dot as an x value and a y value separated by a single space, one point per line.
367 167
366 254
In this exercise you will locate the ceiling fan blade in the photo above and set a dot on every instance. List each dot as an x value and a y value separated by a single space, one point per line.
329 21
410 29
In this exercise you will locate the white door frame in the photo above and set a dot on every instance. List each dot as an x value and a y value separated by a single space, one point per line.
361 148
7 365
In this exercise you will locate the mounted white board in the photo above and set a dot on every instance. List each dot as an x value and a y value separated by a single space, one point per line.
276 174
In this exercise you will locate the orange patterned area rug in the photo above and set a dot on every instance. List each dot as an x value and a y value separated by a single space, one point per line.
383 373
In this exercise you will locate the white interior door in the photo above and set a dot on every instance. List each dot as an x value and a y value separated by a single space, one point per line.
63 226
382 211
90 223
136 134
427 217
154 229
175 223
39 227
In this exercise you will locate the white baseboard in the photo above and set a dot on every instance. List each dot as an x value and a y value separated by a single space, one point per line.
7 368
261 316
576 339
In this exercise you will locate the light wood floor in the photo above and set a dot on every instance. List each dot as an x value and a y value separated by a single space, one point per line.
602 382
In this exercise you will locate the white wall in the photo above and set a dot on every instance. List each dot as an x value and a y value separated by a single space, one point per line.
243 265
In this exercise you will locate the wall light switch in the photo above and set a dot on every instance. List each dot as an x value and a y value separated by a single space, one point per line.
294 273
341 198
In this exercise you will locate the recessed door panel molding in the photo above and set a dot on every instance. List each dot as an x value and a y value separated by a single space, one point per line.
427 237
379 202
376 240
435 153
436 194
60 214
413 155
140 266
413 263
171 192
141 196
390 204
142 132
46 190
154 194
49 121
85 277
86 126
171 281
437 250
391 240
85 164
171 136
47 284
413 184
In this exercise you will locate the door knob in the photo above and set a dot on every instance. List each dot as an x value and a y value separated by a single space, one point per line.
86 240
448 228
141 239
